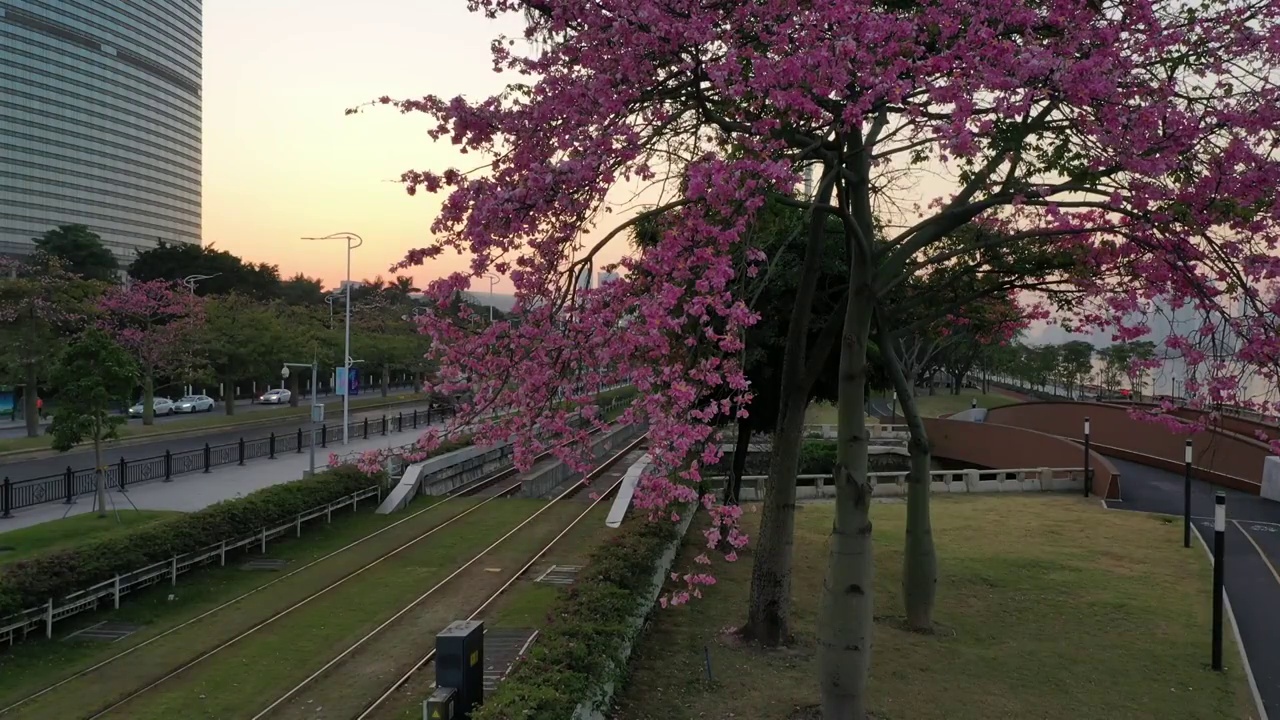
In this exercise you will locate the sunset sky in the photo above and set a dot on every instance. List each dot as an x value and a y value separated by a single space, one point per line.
280 158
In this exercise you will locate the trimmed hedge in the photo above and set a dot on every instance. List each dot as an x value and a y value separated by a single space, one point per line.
29 583
581 647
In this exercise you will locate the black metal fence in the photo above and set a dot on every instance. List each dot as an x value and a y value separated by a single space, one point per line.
66 485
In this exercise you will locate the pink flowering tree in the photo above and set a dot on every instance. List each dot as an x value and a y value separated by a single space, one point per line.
158 322
1115 132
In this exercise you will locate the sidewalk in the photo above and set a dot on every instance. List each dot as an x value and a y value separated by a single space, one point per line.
194 491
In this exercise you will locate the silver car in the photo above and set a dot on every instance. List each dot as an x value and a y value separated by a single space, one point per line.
275 397
159 406
194 404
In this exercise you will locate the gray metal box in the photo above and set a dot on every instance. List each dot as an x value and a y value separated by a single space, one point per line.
460 664
440 705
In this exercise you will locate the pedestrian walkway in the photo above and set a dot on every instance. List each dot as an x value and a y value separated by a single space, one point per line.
194 491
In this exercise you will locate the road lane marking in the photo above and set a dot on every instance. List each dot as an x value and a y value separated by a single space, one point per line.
1261 554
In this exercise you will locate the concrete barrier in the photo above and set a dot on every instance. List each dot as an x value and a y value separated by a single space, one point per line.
543 482
445 473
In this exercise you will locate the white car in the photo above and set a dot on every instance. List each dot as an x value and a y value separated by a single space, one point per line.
275 397
194 404
159 406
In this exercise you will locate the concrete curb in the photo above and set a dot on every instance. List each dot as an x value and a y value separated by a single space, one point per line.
42 453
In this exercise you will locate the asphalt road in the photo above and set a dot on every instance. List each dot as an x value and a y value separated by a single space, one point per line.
24 469
1252 554
243 407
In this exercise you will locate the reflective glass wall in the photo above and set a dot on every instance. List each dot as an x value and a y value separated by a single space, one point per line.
100 121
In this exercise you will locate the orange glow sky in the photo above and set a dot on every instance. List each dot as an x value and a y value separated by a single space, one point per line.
282 161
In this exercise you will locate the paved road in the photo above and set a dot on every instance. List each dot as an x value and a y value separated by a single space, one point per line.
18 429
1252 559
24 469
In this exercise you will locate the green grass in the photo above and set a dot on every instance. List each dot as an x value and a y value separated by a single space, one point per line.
259 669
1048 607
945 404
821 414
29 666
216 420
67 532
527 604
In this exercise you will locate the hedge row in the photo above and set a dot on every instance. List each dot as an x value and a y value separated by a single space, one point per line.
581 646
29 583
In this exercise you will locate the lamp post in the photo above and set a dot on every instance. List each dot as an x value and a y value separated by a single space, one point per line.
1086 457
284 375
191 280
1186 496
353 241
493 280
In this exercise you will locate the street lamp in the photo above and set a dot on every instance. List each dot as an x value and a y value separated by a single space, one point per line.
353 241
190 281
493 280
284 375
328 300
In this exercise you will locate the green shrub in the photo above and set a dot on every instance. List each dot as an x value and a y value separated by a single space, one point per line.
581 646
817 457
29 583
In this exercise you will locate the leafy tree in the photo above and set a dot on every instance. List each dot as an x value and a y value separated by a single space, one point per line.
158 323
1075 364
92 372
241 339
226 272
1066 126
81 252
41 305
302 290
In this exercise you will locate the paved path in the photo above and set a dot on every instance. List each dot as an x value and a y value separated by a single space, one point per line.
20 468
194 491
1252 560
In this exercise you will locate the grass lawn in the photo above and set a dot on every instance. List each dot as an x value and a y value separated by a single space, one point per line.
820 414
249 676
1048 608
945 403
59 534
30 666
219 419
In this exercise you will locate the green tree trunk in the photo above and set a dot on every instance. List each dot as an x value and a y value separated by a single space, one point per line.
385 380
148 398
845 613
733 486
30 399
229 400
920 558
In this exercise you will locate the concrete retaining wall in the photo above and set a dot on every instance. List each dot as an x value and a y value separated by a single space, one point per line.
548 479
444 473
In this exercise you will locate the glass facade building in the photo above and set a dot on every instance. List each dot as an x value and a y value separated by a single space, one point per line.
100 121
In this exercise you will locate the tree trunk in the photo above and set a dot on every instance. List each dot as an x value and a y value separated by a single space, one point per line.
769 607
99 472
148 398
229 402
920 558
293 389
845 619
733 486
31 399
385 380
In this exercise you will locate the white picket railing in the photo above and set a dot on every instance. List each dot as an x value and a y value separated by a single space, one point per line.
894 483
24 623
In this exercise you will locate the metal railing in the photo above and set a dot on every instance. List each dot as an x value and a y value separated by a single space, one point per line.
21 625
120 475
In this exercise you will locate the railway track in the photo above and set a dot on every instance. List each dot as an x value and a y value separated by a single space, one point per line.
383 650
493 487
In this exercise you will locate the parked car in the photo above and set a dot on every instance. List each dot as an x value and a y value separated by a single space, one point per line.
194 404
159 406
275 397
